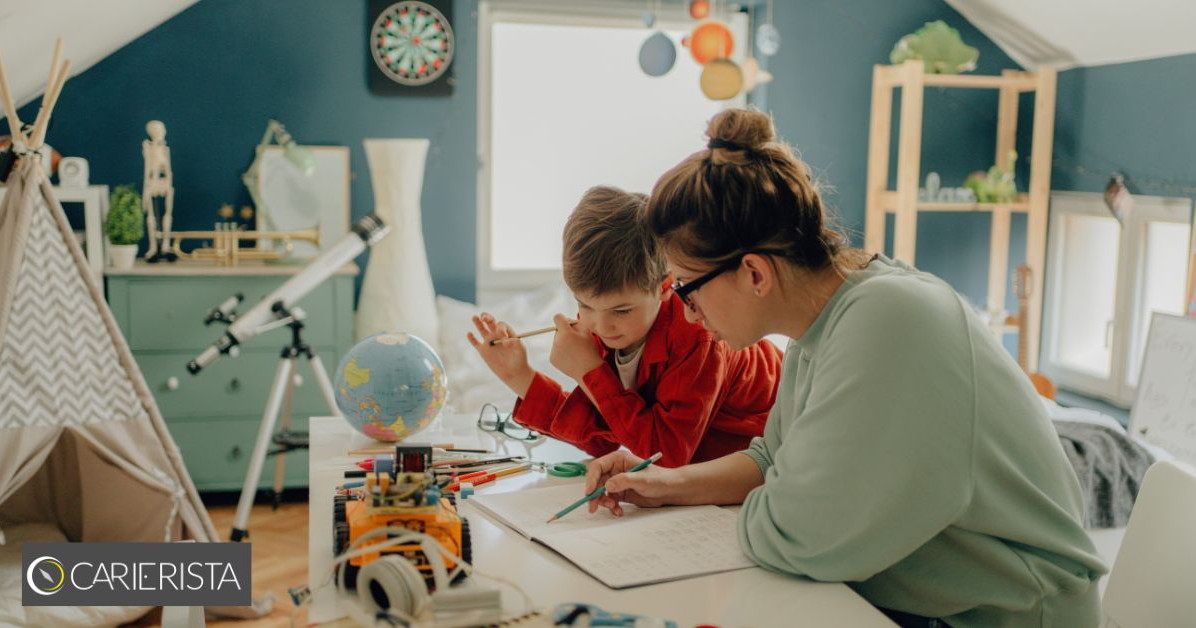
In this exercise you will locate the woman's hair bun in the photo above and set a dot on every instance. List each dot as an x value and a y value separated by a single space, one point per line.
744 127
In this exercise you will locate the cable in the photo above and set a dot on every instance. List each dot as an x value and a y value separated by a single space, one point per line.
395 580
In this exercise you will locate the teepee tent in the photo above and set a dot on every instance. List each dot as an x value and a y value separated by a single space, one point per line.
82 443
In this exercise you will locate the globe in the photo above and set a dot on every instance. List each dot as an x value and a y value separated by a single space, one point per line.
390 386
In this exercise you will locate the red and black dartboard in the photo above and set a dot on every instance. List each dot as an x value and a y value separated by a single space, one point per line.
411 43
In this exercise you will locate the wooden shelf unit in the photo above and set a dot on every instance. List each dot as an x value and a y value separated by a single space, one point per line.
903 201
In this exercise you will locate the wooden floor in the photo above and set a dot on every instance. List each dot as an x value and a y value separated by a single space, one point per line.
279 541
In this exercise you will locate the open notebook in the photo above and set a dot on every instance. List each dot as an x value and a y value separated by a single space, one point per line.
644 546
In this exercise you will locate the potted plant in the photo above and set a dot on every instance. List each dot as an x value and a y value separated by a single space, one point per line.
124 226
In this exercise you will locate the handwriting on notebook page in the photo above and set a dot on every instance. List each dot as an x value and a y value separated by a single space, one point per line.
682 543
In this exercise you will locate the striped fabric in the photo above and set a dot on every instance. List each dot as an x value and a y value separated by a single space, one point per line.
58 365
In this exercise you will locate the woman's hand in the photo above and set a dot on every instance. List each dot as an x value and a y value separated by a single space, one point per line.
507 359
650 487
573 349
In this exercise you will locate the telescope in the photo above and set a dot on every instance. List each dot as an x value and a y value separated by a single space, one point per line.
278 309
276 306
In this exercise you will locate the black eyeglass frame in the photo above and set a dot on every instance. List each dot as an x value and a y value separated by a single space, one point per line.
501 421
683 290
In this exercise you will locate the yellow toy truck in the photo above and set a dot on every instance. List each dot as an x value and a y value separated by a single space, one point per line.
400 492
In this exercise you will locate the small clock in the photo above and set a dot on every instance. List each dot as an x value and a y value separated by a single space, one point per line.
72 172
411 47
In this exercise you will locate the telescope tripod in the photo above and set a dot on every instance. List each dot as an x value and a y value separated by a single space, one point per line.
282 393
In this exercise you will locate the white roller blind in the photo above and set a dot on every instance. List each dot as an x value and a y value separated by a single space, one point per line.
570 108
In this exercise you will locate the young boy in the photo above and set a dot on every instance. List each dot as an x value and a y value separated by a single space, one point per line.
648 379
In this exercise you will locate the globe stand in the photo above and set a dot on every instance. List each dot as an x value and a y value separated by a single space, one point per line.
282 392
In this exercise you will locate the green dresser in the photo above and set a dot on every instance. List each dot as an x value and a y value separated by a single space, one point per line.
214 416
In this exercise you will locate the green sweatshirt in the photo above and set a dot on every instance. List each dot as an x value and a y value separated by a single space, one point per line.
908 456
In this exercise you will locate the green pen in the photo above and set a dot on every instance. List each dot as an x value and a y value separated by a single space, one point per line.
602 489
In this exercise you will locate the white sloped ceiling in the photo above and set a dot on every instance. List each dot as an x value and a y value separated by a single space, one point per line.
1064 33
90 30
1069 33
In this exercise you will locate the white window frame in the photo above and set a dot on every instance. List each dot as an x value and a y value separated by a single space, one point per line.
494 284
1116 388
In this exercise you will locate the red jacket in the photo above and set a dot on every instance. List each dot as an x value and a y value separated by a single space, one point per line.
694 399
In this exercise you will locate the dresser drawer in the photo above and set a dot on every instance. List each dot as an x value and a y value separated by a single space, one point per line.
217 454
166 314
229 386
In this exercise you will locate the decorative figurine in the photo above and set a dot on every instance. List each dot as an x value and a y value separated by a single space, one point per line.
159 182
1118 198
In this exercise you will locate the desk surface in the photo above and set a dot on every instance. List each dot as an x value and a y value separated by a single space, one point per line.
745 597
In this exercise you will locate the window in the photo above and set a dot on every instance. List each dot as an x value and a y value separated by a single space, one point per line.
564 106
1104 280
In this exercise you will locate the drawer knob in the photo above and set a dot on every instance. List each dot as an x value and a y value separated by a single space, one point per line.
234 384
172 383
235 453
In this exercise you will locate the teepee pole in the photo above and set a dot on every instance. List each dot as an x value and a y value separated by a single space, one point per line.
51 99
43 112
55 61
14 123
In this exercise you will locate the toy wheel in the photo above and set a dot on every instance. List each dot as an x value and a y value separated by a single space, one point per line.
338 508
340 525
340 542
340 538
466 549
466 543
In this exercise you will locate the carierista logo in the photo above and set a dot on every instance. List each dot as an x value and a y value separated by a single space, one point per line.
45 575
136 574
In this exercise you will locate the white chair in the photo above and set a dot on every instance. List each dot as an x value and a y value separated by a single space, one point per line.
1152 584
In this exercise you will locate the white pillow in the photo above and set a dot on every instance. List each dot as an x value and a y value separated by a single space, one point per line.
471 383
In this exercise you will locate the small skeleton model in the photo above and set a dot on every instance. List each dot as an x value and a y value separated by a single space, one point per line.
158 183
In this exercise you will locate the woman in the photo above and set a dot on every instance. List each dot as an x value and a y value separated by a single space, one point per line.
906 454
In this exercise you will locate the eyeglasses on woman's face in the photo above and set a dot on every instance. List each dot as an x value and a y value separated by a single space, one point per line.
491 420
685 289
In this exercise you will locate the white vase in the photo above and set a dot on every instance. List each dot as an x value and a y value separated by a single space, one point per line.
122 256
397 293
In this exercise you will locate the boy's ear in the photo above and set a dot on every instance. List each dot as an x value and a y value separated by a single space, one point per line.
666 287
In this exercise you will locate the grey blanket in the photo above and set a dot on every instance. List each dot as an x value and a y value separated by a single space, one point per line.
1110 467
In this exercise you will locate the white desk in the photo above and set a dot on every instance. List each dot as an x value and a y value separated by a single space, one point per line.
752 597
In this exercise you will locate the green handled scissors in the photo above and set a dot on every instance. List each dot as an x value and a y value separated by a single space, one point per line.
566 469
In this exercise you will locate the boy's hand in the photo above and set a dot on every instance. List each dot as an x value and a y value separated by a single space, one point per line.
573 349
649 487
507 359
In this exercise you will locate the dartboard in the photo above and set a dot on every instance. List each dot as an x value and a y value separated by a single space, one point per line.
412 43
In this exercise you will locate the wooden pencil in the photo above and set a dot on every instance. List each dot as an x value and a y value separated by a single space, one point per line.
536 332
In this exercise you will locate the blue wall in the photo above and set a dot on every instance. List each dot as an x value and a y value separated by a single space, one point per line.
218 71
1133 118
821 101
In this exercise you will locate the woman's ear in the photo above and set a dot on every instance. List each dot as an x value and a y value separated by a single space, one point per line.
666 287
761 274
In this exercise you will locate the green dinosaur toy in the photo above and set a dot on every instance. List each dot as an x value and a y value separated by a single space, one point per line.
939 47
995 186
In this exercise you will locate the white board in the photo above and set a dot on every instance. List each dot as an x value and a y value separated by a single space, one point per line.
294 201
1164 412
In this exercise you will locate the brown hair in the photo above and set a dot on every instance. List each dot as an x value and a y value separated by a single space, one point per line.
746 191
607 245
